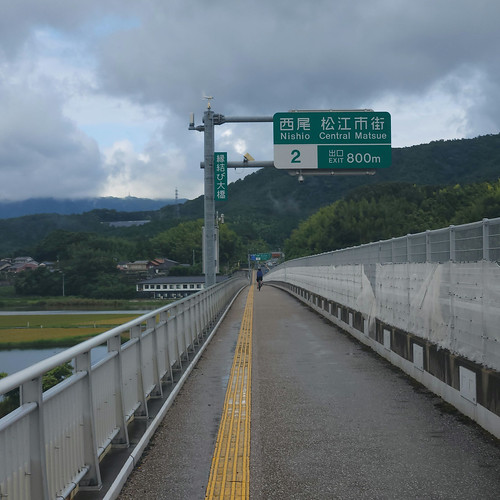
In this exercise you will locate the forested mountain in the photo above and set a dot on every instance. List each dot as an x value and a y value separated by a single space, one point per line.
266 206
270 203
373 213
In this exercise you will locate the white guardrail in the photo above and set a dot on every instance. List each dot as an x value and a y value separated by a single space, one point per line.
441 285
54 441
428 303
465 243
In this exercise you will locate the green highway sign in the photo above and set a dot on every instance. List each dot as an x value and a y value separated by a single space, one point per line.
260 256
220 176
332 139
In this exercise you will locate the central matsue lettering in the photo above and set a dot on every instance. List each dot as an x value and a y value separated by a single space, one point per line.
335 135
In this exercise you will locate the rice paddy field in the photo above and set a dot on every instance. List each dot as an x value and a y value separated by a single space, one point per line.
46 330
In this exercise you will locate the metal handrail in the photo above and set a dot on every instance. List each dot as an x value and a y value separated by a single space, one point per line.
61 435
418 247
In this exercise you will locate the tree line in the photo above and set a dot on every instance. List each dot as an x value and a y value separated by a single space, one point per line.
428 186
87 262
380 212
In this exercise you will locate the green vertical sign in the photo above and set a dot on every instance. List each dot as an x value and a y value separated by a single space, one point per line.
220 176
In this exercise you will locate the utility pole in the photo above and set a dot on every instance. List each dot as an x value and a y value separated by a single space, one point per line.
210 119
209 198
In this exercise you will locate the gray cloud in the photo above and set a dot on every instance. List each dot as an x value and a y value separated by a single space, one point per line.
273 55
433 65
41 152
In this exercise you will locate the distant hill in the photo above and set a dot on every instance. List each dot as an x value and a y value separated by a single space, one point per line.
31 206
269 203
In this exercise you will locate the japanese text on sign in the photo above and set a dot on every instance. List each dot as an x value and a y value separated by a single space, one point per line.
332 128
220 176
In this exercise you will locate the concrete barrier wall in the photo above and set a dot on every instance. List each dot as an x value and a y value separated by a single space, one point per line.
455 306
436 321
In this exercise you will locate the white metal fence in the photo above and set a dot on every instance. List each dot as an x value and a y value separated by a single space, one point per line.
441 285
465 243
55 439
429 303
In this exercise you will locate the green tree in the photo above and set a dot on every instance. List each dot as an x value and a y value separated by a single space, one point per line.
179 242
385 211
231 249
56 375
11 401
40 281
90 269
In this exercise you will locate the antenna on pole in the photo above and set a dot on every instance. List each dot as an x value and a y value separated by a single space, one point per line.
208 98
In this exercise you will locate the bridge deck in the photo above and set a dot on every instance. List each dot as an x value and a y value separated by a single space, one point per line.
329 419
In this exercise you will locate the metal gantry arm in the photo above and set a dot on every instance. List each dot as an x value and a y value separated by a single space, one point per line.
210 119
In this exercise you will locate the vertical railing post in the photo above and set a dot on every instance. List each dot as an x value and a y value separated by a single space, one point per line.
121 439
142 411
452 243
175 332
180 322
192 321
213 306
204 305
189 325
164 318
486 239
198 319
428 248
92 479
31 392
158 391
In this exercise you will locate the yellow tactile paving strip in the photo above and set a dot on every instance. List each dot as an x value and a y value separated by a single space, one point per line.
230 471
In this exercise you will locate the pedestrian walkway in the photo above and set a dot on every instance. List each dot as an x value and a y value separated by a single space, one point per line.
329 420
229 475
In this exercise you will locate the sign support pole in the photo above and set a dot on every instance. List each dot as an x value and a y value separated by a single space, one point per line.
209 198
210 119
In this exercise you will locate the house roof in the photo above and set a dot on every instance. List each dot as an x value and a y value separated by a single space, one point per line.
163 263
23 259
163 260
21 266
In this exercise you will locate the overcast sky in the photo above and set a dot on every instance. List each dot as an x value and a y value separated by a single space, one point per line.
95 96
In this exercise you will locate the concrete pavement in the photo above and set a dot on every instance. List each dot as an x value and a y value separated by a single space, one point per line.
330 419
